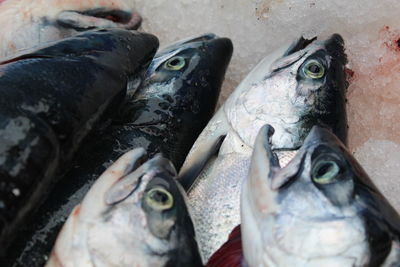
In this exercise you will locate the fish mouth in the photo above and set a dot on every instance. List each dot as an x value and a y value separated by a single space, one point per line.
180 45
300 44
335 43
217 47
99 18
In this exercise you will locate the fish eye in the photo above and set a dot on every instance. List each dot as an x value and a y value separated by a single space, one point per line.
159 199
175 63
313 69
325 171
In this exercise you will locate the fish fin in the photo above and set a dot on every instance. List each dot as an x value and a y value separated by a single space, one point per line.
205 147
189 174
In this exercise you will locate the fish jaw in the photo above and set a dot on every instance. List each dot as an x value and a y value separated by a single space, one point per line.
30 23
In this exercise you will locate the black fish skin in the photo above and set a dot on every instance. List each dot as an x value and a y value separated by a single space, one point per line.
330 111
158 118
50 99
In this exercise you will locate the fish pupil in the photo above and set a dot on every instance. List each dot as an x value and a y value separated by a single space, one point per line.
324 169
175 62
314 68
160 197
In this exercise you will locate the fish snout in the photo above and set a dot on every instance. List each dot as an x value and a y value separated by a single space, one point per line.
222 48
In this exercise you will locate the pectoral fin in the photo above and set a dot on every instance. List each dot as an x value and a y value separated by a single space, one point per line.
206 146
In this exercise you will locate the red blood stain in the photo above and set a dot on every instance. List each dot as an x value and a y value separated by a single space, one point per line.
349 74
76 211
391 38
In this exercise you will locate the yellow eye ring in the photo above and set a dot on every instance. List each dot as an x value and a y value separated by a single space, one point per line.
314 69
324 172
159 199
175 63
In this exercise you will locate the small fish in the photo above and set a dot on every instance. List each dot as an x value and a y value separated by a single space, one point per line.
50 100
291 89
322 209
28 23
132 216
172 105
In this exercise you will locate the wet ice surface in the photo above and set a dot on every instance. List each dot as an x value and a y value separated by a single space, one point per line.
370 29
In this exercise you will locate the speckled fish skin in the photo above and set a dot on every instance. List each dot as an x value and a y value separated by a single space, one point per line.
279 92
321 209
166 114
50 100
28 23
132 216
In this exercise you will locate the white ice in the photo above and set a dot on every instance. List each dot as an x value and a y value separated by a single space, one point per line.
370 28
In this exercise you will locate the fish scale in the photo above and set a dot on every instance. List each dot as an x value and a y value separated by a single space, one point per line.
216 196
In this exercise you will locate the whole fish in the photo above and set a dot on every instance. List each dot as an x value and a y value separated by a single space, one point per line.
27 23
322 209
291 89
173 104
50 100
132 216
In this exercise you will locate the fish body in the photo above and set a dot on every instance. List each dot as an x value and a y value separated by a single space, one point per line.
132 216
321 209
50 100
291 89
26 23
170 108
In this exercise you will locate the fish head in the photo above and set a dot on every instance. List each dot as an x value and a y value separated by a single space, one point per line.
29 23
320 209
292 91
191 69
135 214
181 88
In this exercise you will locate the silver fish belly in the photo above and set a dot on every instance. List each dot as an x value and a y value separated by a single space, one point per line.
216 195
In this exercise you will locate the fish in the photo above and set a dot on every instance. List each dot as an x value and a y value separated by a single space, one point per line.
321 209
50 101
133 215
292 89
173 103
27 24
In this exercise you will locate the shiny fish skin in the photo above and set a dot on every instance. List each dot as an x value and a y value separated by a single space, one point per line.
119 223
50 100
207 196
166 114
321 209
26 24
276 92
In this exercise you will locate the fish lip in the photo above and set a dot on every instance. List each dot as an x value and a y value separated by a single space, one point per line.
182 44
128 20
300 44
210 41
